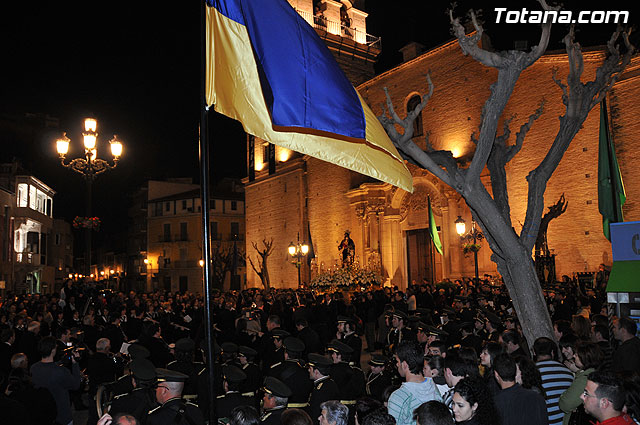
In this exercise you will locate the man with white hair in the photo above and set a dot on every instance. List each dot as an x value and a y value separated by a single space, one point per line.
333 413
173 410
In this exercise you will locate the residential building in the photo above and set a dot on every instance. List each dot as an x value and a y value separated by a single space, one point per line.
174 233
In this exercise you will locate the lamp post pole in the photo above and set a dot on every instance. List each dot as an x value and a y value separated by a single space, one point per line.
475 251
298 251
89 167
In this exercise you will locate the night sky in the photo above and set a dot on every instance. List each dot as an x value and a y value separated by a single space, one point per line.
135 67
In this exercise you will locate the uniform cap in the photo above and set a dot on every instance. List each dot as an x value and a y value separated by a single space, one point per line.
280 333
339 347
276 387
245 351
229 347
344 319
319 360
185 344
432 330
401 314
233 374
378 360
137 351
143 369
293 344
166 375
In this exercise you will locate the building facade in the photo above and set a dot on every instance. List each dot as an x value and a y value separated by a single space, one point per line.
174 233
287 193
37 250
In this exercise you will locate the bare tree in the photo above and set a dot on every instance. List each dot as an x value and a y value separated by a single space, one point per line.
223 261
555 211
262 271
511 252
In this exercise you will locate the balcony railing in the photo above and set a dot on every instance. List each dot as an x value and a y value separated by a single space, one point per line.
333 27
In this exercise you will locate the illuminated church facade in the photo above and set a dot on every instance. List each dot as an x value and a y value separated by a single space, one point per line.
290 196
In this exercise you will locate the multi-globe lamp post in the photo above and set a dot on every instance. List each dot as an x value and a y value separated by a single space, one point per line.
89 166
473 234
297 252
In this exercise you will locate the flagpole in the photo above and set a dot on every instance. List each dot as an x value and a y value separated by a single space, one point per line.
614 189
207 268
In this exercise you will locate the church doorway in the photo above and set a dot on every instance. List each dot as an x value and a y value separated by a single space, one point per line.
419 256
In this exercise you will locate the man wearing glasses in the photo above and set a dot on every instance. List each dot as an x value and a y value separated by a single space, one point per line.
173 410
604 398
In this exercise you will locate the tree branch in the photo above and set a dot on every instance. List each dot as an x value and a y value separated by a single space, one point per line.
581 98
524 129
408 149
469 44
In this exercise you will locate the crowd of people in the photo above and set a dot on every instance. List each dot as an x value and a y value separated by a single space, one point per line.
437 354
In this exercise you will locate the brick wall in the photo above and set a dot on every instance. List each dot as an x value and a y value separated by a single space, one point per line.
453 113
274 209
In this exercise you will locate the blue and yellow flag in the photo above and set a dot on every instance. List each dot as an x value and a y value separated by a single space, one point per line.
268 69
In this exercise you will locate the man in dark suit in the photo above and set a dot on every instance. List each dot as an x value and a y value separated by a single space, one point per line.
232 381
309 337
378 379
250 369
7 339
276 396
324 388
184 363
293 373
173 410
140 400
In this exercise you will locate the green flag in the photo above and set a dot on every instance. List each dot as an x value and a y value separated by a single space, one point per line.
611 195
433 229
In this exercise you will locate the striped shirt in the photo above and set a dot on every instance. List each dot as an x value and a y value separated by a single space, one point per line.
408 397
556 378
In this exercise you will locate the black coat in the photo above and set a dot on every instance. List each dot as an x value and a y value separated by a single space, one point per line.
137 403
324 389
272 416
377 383
296 377
176 411
101 369
226 403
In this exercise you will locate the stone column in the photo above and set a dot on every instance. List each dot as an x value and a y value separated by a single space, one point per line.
454 249
393 256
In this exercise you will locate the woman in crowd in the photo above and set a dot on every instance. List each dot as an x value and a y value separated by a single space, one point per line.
568 348
434 368
472 404
587 358
581 326
528 375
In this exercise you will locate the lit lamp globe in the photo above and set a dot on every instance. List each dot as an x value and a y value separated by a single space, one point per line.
62 145
461 226
116 147
292 249
304 248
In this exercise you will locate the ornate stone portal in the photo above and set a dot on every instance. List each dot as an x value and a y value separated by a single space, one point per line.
392 231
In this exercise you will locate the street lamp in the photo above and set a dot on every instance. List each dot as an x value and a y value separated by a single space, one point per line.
89 166
297 252
473 235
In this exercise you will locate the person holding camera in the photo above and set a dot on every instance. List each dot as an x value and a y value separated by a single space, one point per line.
57 379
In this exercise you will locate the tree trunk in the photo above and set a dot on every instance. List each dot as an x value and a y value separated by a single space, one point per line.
521 280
